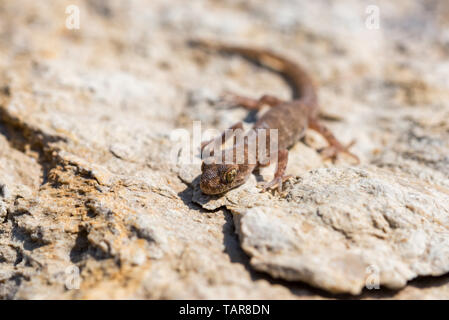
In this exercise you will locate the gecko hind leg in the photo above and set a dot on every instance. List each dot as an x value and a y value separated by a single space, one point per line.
250 103
279 176
335 147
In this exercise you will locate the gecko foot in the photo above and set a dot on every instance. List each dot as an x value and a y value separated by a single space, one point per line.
276 182
232 100
333 151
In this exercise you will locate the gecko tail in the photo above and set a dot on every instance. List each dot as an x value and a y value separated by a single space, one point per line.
303 86
263 57
205 44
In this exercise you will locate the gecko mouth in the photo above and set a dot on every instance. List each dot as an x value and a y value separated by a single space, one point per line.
212 187
207 189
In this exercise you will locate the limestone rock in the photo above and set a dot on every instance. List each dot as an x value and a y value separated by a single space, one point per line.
340 229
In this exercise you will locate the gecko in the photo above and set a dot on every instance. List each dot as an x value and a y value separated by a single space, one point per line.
290 118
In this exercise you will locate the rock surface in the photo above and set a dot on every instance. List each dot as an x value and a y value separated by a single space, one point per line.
93 205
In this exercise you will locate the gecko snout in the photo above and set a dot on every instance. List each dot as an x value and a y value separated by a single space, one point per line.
210 182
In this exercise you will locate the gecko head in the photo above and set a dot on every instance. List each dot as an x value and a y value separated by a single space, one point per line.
219 178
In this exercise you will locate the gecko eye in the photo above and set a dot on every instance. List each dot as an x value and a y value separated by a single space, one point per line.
230 175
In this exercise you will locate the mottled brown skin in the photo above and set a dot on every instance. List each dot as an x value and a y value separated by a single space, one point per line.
291 118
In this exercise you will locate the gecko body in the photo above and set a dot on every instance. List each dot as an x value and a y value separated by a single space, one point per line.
290 118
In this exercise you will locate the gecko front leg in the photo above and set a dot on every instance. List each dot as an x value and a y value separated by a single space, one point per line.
222 139
279 175
253 104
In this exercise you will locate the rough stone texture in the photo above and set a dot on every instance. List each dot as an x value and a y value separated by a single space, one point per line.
87 184
337 223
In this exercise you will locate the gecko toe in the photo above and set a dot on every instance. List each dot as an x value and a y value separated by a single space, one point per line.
276 182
